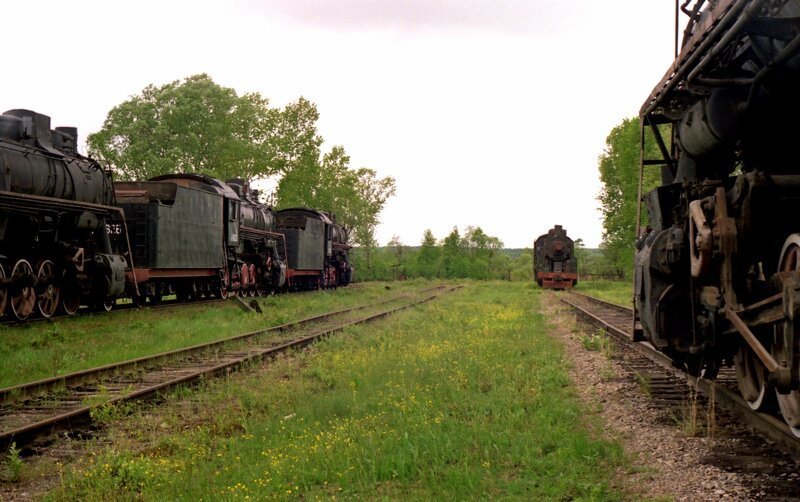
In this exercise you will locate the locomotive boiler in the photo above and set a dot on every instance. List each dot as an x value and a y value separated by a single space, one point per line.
61 241
717 273
554 263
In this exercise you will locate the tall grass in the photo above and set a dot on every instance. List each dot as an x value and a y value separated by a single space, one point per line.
619 292
44 349
467 397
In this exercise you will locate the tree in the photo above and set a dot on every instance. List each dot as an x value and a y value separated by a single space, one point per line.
428 256
619 173
191 126
195 125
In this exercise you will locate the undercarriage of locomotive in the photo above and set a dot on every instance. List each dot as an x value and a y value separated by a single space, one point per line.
718 282
51 263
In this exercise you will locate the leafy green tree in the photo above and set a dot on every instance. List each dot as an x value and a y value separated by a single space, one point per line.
619 173
194 125
452 258
427 259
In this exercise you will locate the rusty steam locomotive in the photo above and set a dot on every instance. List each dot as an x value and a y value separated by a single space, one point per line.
554 263
69 236
717 273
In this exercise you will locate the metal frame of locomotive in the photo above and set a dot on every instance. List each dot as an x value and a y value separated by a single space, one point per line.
554 263
67 232
717 273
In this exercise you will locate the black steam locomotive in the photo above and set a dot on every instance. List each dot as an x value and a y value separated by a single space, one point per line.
554 262
71 237
717 272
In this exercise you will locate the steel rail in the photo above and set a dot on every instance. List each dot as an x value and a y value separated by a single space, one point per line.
25 433
770 426
17 392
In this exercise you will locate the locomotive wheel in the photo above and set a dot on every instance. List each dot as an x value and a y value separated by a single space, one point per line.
789 403
23 301
220 290
105 305
787 335
70 302
154 299
3 292
752 377
47 292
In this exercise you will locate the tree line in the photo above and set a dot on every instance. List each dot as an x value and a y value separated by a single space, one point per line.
195 125
473 254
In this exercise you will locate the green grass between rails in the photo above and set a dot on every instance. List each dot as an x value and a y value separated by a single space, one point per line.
43 349
619 292
466 397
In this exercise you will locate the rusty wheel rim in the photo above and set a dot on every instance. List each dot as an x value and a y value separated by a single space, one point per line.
70 302
23 301
752 377
47 291
786 334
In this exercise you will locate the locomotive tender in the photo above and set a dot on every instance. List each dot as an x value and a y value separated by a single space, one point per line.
554 263
717 273
71 237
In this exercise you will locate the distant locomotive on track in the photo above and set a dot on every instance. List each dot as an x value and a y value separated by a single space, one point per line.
554 262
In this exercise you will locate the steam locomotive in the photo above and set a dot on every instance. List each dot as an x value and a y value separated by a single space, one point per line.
717 273
554 263
71 237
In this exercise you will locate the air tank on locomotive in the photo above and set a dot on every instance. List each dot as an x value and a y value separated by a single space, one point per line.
54 211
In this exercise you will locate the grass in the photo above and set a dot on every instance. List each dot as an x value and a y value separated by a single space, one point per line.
619 292
39 350
463 398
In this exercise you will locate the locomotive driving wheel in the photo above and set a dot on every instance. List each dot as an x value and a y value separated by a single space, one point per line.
48 293
752 377
70 301
23 297
787 339
220 289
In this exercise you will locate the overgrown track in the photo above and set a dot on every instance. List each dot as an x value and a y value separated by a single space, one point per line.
769 466
618 322
42 407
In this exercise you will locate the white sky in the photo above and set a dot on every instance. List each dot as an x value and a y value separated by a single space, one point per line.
487 113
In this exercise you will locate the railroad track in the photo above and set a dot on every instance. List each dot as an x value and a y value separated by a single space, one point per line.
758 447
617 321
36 409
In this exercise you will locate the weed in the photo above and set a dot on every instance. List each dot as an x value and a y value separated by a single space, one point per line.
109 412
13 463
711 413
607 373
689 411
644 383
597 342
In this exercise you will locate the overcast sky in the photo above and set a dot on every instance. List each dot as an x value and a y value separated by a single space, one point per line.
487 113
